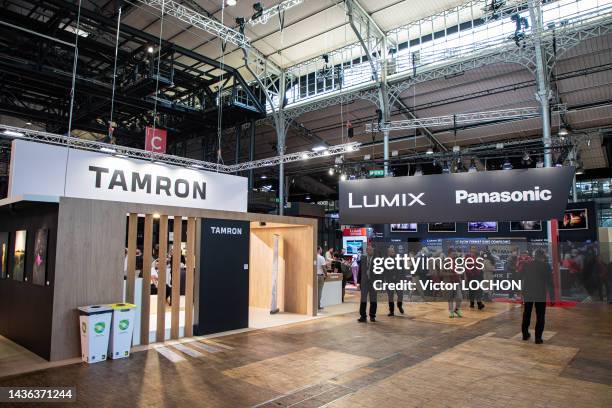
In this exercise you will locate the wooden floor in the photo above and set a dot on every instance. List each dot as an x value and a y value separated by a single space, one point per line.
421 359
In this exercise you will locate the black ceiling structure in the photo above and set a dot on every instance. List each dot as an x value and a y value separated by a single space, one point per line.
36 65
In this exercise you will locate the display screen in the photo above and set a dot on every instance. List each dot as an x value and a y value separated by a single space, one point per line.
525 225
574 220
354 247
39 269
482 226
19 255
441 227
4 237
412 227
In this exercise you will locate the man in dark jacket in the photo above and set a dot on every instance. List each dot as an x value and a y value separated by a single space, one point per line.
537 282
366 280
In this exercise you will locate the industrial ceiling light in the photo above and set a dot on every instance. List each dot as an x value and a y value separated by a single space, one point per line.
526 157
343 177
12 133
150 49
429 151
108 150
319 148
473 168
305 156
507 165
445 168
330 171
579 171
307 198
563 131
230 3
263 177
258 11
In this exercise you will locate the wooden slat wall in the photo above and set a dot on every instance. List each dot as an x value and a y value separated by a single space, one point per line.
176 277
131 258
147 256
161 287
189 278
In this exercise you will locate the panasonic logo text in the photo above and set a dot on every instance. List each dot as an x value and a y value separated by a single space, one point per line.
383 200
465 197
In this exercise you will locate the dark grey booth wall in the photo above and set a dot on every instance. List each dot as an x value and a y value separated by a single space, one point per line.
26 310
224 276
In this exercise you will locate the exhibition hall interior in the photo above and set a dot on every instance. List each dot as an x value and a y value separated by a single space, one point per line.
306 203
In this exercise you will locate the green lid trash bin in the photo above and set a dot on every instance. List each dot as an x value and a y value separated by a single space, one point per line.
121 330
95 327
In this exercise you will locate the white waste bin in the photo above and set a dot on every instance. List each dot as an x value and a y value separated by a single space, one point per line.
95 327
121 331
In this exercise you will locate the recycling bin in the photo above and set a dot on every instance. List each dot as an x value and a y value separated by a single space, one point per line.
95 322
121 330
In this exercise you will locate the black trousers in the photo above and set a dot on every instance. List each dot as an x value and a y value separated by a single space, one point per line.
363 306
540 308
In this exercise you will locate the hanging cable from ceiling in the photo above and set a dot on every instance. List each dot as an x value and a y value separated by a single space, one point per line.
111 124
222 44
159 48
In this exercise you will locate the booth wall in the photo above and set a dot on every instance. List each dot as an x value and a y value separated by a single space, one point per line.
90 237
25 308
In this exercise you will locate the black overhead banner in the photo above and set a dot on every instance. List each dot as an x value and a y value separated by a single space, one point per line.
502 195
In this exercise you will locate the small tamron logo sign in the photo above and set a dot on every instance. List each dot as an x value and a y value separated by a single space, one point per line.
226 230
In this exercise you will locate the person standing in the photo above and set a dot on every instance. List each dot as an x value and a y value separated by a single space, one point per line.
510 269
393 275
454 296
474 274
537 282
321 272
367 287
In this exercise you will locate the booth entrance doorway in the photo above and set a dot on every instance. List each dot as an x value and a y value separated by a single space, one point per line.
281 275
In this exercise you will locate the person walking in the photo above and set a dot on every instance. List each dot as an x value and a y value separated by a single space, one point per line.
321 272
367 287
537 282
393 275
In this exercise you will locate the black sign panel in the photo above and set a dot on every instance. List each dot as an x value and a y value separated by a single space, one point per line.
224 276
502 195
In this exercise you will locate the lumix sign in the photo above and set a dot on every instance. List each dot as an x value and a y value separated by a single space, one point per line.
503 195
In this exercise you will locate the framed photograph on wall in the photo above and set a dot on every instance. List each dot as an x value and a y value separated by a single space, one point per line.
412 227
39 269
482 226
525 225
441 227
576 219
4 241
19 254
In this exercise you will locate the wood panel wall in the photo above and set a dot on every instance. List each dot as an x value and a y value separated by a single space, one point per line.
88 269
298 248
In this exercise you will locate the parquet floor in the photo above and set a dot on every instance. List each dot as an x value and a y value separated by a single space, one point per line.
421 359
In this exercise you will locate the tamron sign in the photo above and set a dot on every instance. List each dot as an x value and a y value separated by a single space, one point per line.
46 170
503 195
